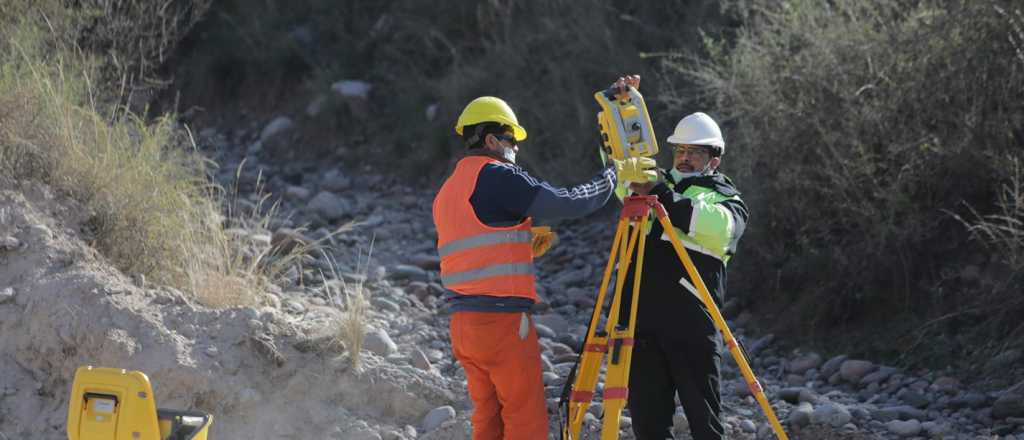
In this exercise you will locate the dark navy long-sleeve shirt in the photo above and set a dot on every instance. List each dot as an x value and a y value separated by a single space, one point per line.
506 194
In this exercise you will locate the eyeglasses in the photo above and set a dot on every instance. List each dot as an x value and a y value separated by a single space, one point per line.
699 151
507 138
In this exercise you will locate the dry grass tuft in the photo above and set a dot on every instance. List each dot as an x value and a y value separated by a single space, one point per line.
1003 231
351 328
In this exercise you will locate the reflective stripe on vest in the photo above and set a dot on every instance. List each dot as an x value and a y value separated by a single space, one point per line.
485 239
489 271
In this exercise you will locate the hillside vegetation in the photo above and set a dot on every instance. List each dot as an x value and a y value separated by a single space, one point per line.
877 142
880 146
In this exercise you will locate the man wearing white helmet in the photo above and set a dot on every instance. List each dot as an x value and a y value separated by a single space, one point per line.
678 349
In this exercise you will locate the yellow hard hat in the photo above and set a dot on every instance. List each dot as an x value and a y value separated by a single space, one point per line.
490 109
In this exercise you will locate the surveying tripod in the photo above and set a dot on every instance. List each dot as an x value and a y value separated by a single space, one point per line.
627 132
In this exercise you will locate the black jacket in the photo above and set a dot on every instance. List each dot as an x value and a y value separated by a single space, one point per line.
667 306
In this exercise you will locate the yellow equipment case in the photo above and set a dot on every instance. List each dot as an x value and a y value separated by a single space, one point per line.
117 404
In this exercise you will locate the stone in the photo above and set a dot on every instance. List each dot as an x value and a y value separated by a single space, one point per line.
553 321
748 426
6 294
831 414
315 106
9 243
329 206
904 428
914 398
335 181
386 305
790 394
426 261
832 365
878 376
352 89
41 231
294 306
946 385
904 412
969 400
277 126
759 344
1003 360
854 370
558 348
571 277
801 415
935 429
860 413
296 192
378 342
409 272
803 363
544 331
550 378
437 416
421 361
1008 405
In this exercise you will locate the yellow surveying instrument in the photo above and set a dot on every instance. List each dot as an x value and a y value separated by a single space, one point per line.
623 139
116 404
626 130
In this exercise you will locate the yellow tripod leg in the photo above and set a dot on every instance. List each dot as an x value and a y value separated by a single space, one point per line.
716 315
620 344
593 350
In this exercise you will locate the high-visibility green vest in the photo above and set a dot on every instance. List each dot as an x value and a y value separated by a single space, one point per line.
711 225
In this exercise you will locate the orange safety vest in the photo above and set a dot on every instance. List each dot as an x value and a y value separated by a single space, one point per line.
477 259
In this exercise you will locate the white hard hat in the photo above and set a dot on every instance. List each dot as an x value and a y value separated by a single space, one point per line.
698 129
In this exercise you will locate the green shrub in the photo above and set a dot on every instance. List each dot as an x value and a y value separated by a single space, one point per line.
853 127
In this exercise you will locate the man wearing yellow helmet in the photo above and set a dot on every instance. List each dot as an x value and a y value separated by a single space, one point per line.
483 214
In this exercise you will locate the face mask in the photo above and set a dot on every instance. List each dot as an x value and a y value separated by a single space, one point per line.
679 175
509 154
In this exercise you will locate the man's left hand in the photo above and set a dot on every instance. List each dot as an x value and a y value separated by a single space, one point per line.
542 239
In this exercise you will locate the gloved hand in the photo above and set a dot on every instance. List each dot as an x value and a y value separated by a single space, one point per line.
636 169
543 238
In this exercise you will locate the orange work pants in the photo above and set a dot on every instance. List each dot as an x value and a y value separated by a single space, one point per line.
503 375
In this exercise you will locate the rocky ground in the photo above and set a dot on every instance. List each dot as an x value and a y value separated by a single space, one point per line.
279 371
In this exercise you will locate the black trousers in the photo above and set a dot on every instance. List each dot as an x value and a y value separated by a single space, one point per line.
664 365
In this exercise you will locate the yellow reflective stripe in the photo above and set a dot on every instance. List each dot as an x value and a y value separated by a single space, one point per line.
487 271
485 239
